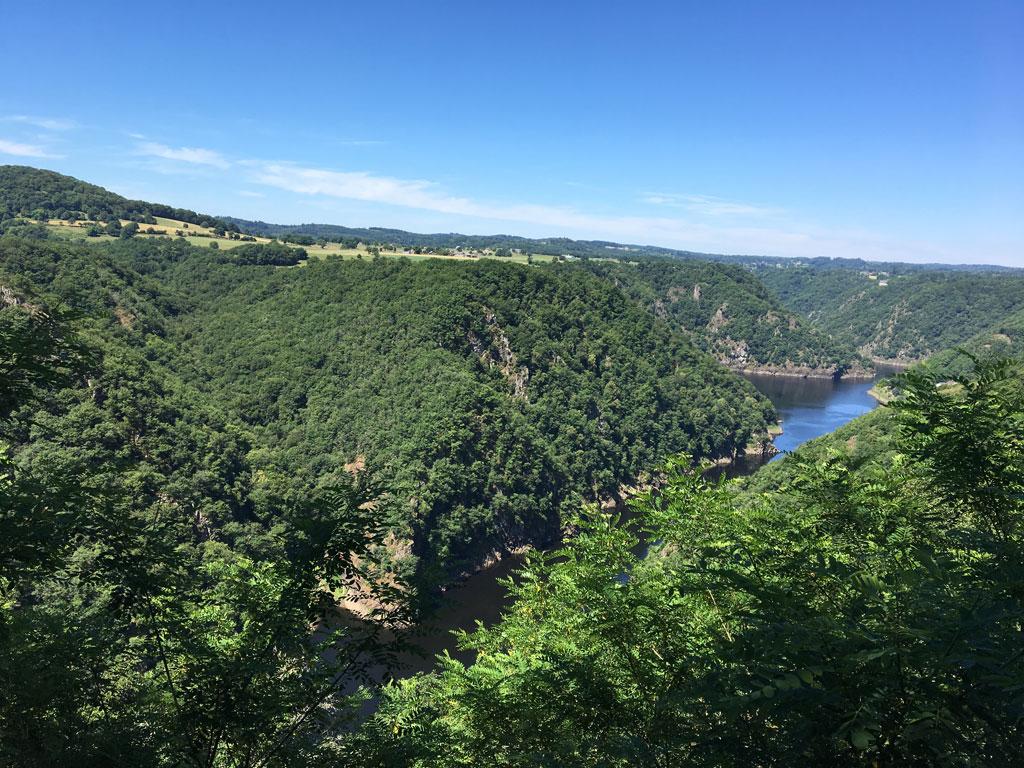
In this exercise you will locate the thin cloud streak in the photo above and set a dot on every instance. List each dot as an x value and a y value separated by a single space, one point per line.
18 149
46 123
193 155
667 231
710 205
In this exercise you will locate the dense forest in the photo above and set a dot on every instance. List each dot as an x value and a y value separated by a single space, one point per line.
730 314
897 315
486 395
231 480
38 194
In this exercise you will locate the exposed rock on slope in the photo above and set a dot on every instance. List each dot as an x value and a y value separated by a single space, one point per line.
728 313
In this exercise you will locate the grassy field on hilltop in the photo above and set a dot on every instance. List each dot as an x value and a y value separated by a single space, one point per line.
205 237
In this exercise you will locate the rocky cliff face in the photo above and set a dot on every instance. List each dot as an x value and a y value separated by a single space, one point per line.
729 313
497 352
735 351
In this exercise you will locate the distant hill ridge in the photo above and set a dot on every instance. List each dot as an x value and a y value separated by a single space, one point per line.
894 316
27 191
563 246
721 307
42 194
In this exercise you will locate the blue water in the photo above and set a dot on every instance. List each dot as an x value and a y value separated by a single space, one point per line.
810 408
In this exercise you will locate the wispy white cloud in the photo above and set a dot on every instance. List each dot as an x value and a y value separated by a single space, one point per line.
585 186
359 185
709 205
415 193
193 155
426 195
704 226
691 221
19 149
429 196
46 123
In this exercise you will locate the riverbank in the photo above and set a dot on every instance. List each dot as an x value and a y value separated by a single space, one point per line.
756 453
882 394
895 365
855 372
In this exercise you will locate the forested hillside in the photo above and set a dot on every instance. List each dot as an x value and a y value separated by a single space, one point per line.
225 477
730 314
39 194
903 315
485 397
1004 338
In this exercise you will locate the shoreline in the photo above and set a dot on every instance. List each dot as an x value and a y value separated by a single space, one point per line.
881 394
811 373
856 372
899 365
494 559
764 448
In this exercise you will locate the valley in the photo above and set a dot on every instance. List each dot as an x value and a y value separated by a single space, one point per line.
808 408
216 443
512 385
897 314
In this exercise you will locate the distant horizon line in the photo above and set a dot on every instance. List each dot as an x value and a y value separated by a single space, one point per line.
652 246
670 250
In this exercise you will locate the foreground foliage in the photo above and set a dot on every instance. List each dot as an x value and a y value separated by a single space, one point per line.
868 617
138 625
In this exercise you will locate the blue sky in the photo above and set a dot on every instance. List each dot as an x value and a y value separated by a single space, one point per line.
889 130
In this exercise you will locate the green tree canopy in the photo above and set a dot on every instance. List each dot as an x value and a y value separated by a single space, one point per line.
859 618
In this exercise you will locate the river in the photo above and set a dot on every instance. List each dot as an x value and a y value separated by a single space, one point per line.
808 408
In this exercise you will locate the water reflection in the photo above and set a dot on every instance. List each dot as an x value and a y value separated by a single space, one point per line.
810 408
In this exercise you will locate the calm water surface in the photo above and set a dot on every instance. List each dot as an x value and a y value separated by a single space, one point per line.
810 408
